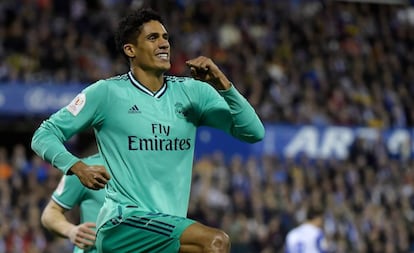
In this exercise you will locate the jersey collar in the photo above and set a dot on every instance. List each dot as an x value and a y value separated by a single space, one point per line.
137 84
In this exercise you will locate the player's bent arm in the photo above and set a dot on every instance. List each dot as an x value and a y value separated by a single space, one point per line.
246 124
241 121
47 142
92 176
53 219
233 115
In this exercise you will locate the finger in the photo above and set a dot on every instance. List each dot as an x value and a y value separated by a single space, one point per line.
94 185
100 179
198 72
191 63
196 63
104 174
87 237
89 230
193 71
80 245
98 186
89 225
84 244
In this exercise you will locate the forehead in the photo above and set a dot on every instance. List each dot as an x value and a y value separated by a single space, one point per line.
153 26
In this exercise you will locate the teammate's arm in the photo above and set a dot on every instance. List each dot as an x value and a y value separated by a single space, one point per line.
53 218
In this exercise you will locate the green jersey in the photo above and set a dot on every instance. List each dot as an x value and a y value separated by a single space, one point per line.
70 193
146 138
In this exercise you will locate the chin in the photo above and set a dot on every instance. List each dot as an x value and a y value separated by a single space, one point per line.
166 66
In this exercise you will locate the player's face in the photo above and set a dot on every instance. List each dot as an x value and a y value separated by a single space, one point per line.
153 48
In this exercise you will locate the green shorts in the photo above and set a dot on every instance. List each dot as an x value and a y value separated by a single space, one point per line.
142 231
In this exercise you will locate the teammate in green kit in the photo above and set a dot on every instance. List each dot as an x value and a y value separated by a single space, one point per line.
70 193
145 125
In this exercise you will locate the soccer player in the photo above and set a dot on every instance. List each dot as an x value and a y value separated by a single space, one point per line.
70 193
145 124
308 237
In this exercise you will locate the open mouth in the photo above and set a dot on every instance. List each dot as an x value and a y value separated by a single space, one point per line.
163 56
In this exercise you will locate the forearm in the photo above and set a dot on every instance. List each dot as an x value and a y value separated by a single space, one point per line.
222 83
246 124
54 220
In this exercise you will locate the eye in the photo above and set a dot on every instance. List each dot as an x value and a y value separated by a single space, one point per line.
152 37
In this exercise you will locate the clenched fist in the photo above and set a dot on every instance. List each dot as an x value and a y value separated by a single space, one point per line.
204 69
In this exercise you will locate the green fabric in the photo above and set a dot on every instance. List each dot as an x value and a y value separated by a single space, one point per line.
142 232
71 193
146 139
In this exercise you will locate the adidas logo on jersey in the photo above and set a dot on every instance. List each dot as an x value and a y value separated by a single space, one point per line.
134 109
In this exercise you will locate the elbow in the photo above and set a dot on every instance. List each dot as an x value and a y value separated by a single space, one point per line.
257 136
44 220
260 134
34 143
46 217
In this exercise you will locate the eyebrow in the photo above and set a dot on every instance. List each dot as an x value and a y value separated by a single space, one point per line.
156 34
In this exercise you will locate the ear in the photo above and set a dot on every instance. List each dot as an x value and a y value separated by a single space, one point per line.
129 50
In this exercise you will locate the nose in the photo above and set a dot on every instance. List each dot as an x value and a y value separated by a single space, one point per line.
164 44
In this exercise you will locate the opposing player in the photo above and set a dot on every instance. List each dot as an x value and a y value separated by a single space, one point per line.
145 124
309 236
69 194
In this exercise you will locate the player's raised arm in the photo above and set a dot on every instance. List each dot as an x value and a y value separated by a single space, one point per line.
235 116
204 69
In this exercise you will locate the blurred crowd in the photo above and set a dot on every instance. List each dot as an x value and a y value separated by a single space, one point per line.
298 62
368 200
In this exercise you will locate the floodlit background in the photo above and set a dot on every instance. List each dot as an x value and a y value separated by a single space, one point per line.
332 80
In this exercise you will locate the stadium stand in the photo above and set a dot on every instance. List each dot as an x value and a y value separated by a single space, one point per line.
321 63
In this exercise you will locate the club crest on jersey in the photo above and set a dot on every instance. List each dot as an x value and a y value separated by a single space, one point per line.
77 104
180 110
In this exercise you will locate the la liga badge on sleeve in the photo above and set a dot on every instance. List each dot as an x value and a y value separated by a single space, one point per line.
76 105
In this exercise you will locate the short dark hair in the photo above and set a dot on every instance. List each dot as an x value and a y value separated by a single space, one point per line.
130 26
314 212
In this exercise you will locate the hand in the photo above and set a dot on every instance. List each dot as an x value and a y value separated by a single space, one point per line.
94 177
83 235
204 69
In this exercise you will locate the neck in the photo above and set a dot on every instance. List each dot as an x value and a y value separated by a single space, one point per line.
153 81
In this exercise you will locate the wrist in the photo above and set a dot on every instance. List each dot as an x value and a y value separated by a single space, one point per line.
69 231
76 167
222 84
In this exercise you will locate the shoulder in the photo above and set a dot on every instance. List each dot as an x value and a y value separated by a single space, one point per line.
190 85
108 83
297 232
183 81
68 184
118 78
